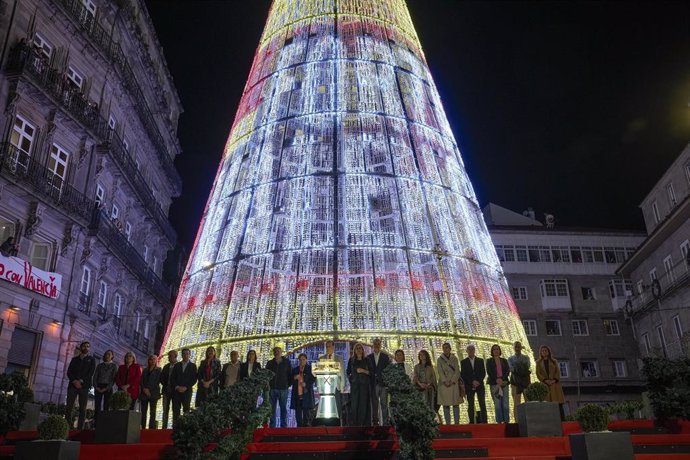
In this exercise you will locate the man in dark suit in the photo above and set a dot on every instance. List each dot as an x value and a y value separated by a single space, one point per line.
473 373
167 390
80 376
183 379
378 361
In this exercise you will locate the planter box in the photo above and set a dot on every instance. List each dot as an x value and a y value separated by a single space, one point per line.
603 445
539 419
48 450
31 413
118 427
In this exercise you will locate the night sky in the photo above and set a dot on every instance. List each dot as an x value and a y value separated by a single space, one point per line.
575 109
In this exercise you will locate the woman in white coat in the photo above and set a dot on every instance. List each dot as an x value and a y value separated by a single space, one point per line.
448 369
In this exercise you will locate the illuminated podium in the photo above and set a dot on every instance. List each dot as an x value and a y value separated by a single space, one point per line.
327 373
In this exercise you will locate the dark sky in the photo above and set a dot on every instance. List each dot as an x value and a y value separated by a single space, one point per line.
573 108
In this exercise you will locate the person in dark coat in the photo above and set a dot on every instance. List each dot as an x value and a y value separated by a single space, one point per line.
103 381
302 401
378 361
150 391
80 376
498 372
167 390
209 377
128 378
183 379
279 386
473 373
250 365
359 374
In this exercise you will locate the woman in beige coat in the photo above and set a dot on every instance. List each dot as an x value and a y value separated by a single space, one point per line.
424 379
448 370
549 373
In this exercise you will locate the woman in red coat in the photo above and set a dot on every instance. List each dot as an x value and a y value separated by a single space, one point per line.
128 377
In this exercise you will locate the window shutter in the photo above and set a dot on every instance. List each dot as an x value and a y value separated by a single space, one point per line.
22 348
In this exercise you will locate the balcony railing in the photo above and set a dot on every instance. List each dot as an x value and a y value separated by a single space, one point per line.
25 59
677 277
116 241
135 338
145 344
113 51
20 167
117 322
84 303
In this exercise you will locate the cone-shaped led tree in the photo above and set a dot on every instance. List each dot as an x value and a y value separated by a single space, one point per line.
341 207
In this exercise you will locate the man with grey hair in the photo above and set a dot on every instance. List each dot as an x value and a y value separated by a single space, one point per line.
473 373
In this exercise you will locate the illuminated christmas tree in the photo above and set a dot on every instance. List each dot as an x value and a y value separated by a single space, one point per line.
341 207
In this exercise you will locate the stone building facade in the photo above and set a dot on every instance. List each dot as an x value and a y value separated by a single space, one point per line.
564 283
88 122
660 302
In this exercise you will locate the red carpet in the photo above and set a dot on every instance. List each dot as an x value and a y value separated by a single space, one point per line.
495 442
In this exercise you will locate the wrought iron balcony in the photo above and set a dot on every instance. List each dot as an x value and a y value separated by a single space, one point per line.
116 242
675 278
19 167
112 50
25 59
145 344
84 303
135 338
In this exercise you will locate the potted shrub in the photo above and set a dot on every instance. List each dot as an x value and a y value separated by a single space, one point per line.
52 442
119 425
32 411
536 417
597 443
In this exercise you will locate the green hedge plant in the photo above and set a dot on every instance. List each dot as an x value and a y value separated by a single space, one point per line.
120 400
536 391
592 417
668 384
53 427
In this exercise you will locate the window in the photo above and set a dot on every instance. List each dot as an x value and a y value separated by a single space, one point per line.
57 164
112 122
589 369
521 252
85 286
40 255
509 253
6 230
647 344
560 253
640 286
662 339
76 77
90 7
100 195
519 293
146 328
580 327
146 254
102 294
533 252
588 293
611 327
598 255
655 212
684 251
530 326
671 194
155 264
587 255
652 274
687 172
114 212
620 368
126 144
44 45
678 327
576 255
117 305
553 327
554 288
22 136
128 230
137 321
668 268
564 368
620 288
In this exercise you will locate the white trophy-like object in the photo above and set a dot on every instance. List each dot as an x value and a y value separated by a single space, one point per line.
327 374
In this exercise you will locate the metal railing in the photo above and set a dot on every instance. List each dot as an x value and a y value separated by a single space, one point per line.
75 9
116 241
678 276
24 58
20 167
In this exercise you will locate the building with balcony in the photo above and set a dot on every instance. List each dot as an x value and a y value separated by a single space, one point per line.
88 123
658 271
569 297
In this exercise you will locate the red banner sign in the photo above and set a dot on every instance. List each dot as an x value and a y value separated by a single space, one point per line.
21 272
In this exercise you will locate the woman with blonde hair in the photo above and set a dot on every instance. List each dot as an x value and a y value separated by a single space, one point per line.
128 377
549 373
358 372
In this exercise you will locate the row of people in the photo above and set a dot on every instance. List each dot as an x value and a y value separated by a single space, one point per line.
368 400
